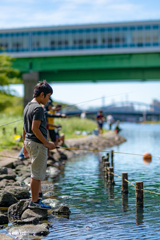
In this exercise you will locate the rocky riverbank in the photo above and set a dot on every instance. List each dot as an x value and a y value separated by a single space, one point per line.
15 186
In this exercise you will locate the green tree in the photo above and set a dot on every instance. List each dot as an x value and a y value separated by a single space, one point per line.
8 75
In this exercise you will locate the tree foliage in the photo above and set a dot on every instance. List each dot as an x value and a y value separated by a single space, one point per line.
8 75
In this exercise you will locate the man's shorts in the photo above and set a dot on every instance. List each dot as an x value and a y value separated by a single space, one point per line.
100 125
52 135
38 154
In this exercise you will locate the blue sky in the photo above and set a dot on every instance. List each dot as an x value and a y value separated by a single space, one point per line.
18 13
32 13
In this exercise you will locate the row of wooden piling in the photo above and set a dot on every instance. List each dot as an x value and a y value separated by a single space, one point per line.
4 130
108 169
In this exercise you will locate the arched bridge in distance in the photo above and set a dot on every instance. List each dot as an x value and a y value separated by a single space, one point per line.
123 111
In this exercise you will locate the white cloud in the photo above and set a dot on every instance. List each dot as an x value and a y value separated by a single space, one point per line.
16 13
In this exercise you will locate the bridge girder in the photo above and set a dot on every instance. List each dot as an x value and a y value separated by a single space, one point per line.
111 67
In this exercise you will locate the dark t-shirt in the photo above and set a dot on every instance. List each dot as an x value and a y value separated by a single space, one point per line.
99 118
34 111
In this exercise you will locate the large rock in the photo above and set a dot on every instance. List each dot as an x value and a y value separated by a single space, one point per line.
54 203
32 220
40 214
15 211
53 172
62 210
18 163
7 173
3 170
11 176
28 230
18 192
22 168
5 182
7 199
3 219
49 194
27 181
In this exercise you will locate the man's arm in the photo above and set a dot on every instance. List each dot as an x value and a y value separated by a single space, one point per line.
53 125
24 149
39 135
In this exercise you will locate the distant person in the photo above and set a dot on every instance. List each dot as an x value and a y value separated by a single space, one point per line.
54 128
110 121
100 120
83 115
117 128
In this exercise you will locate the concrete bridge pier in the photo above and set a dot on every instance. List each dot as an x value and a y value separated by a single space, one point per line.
30 80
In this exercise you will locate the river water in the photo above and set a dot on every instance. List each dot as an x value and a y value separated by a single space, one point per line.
99 211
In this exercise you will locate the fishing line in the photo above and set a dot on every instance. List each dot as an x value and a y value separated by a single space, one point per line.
97 99
11 122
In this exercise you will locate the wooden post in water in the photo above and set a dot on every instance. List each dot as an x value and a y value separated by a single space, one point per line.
106 169
4 131
139 194
124 202
107 156
112 156
15 130
124 183
103 163
104 160
110 175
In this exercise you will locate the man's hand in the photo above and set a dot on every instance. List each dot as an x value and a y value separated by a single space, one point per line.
63 115
25 153
50 145
58 126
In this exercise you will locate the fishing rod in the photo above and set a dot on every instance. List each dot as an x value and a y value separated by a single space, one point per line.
75 105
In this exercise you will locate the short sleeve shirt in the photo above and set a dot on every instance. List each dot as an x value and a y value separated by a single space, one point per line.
34 111
100 118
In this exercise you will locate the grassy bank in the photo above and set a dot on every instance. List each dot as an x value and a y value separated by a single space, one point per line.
69 126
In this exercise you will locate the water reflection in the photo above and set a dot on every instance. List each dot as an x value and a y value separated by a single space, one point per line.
139 215
124 202
97 206
110 191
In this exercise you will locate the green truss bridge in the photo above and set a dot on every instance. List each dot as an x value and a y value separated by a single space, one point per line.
127 51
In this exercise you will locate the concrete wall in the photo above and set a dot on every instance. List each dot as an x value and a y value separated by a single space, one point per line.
30 80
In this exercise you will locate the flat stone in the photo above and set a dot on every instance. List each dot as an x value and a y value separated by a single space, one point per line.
53 172
32 220
40 214
5 182
18 192
8 176
49 194
27 230
5 237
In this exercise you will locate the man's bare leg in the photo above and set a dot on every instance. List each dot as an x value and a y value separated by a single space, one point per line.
35 187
